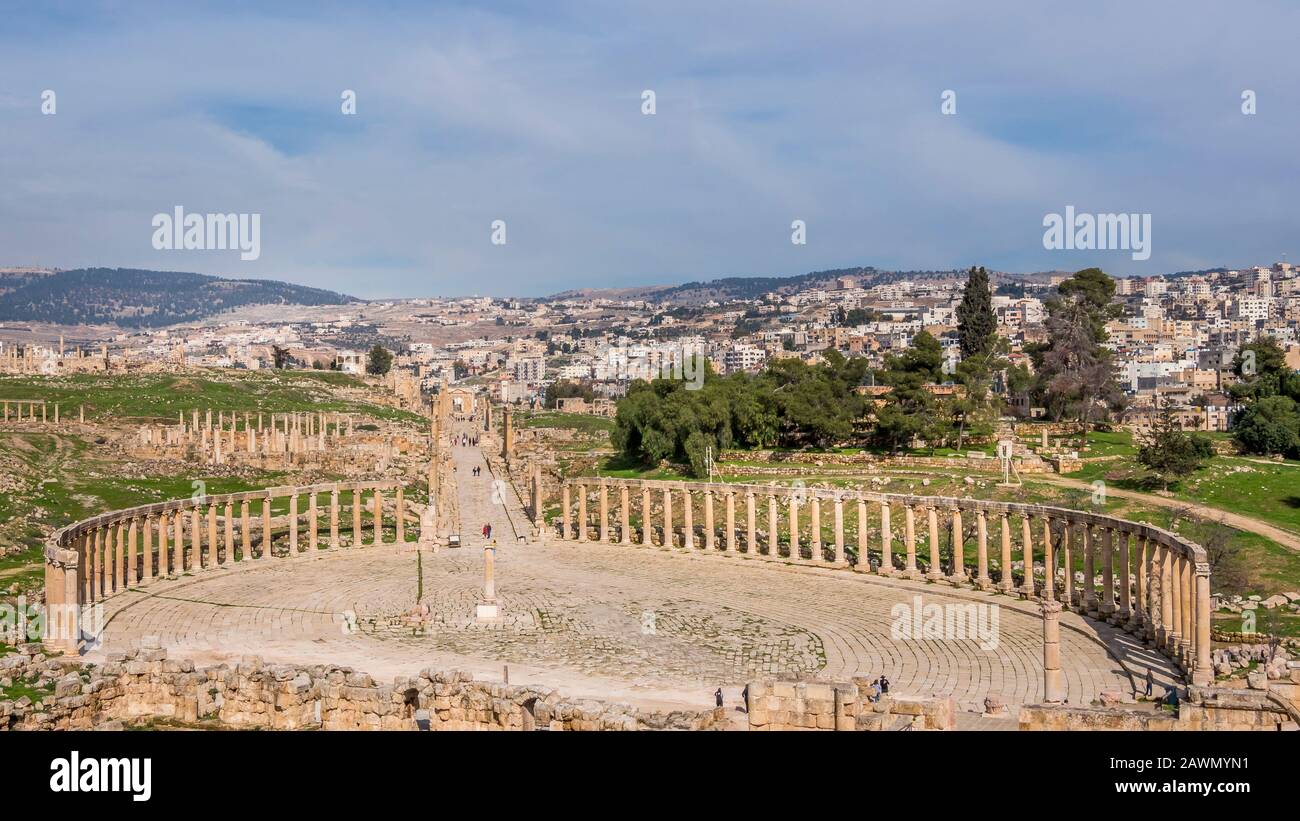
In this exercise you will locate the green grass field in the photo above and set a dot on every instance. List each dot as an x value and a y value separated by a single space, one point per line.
162 396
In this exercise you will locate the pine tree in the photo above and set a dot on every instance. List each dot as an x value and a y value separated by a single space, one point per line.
976 324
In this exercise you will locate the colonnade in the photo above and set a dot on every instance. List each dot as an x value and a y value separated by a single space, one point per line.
223 435
1146 580
92 560
33 407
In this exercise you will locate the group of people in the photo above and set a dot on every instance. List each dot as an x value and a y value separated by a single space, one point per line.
879 687
487 531
466 440
477 471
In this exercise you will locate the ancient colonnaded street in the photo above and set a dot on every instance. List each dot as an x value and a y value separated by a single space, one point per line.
635 624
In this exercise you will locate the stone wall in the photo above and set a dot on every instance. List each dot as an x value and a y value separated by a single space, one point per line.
811 705
146 685
1276 707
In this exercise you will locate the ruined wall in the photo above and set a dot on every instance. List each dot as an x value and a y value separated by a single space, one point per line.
147 685
786 705
1276 707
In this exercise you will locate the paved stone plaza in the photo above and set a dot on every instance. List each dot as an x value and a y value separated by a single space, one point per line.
630 623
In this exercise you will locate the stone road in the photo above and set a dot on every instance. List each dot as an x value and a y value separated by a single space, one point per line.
637 624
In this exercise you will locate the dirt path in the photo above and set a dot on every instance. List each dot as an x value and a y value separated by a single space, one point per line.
1286 538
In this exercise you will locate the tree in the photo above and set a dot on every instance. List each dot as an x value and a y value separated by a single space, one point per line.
1269 426
565 389
1261 367
279 356
1077 372
379 362
1171 453
976 323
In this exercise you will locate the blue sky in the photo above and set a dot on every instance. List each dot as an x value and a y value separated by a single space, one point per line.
767 112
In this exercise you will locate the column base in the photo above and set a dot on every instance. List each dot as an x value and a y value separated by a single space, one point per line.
912 573
935 576
984 583
1202 677
958 579
1005 587
1106 610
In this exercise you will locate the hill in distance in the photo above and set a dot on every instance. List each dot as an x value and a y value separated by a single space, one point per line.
133 298
732 288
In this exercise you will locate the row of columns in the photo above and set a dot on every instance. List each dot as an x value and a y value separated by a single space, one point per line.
215 531
1150 586
31 405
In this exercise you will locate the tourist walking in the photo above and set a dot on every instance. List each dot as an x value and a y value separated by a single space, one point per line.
884 684
717 696
1150 682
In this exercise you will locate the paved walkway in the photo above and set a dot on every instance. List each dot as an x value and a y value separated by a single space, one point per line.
655 627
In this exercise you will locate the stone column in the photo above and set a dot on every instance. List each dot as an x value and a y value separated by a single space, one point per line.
838 524
795 551
196 538
887 546
667 542
1006 582
1202 671
646 520
378 500
1125 611
565 502
166 560
1049 562
982 578
267 533
1185 585
625 516
1089 573
212 535
932 527
1145 610
293 524
958 540
750 524
1027 539
911 570
773 530
604 511
1175 640
313 527
688 519
815 528
1067 561
230 531
863 565
358 504
709 535
132 543
100 551
1163 608
334 514
1108 573
245 532
178 544
730 543
1053 679
149 522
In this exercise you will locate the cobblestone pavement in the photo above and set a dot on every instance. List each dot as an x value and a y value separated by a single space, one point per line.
639 624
